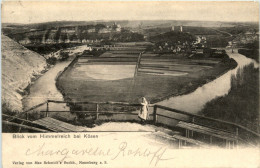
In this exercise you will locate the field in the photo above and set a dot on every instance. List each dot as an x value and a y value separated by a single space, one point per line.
111 76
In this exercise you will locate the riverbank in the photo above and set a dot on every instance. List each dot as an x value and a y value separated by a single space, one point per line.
20 67
44 88
241 104
250 53
201 78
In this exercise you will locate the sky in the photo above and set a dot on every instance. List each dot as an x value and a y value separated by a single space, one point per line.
44 11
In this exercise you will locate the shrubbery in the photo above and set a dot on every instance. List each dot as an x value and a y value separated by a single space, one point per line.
173 38
51 60
241 105
49 48
250 53
64 56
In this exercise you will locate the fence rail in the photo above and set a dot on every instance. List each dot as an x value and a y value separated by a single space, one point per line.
193 116
155 114
23 126
93 102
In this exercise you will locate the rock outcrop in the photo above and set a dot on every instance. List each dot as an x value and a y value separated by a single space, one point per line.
19 66
75 35
70 34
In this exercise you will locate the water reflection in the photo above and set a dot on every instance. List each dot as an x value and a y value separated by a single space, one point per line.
196 100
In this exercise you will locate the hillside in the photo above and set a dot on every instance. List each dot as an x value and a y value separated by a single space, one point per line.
19 66
70 34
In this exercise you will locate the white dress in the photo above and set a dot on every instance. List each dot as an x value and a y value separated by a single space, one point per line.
143 114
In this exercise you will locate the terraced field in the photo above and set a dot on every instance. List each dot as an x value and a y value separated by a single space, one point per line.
171 66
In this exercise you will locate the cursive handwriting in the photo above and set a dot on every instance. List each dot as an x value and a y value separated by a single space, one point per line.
156 156
122 151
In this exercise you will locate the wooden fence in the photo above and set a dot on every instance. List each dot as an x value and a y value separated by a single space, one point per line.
192 117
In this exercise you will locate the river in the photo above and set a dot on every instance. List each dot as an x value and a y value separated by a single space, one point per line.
45 88
195 101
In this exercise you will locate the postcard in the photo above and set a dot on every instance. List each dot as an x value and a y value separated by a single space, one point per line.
130 84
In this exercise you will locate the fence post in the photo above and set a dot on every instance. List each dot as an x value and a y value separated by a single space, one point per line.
155 114
26 116
237 136
97 111
47 108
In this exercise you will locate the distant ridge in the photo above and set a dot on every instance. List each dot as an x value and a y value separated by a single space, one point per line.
133 23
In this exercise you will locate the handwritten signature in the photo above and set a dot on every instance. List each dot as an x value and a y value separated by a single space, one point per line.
122 151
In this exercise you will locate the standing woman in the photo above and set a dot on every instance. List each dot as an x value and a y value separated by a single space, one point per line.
143 114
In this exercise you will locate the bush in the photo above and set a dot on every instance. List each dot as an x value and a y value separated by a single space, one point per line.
241 105
51 60
6 109
172 38
64 56
250 53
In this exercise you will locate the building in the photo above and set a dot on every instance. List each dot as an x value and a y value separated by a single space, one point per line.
84 41
177 28
105 30
219 51
92 30
114 28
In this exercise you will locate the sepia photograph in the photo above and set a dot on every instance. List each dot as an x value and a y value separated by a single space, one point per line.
130 84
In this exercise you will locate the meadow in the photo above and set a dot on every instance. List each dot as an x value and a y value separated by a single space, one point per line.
111 76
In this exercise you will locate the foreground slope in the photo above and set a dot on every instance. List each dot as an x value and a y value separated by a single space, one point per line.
19 66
